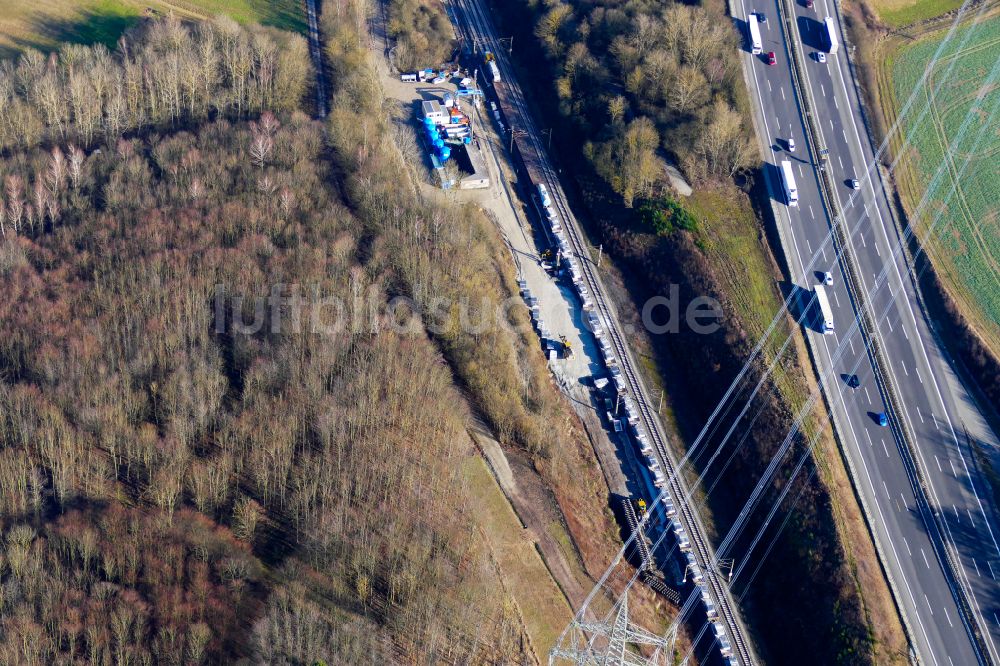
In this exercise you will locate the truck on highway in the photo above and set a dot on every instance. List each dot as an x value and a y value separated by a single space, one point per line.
788 180
825 313
756 47
491 63
830 34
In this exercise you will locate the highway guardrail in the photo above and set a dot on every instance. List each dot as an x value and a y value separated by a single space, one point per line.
866 322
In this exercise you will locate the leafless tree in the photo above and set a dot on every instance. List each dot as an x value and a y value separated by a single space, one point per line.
41 198
246 514
261 145
57 170
15 206
76 157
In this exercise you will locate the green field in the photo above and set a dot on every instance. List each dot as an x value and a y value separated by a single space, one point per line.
960 131
899 13
44 24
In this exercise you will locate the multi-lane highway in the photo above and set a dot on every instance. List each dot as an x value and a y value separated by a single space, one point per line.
933 524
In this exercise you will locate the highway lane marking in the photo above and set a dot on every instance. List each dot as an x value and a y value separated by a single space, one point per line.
812 216
903 500
938 462
962 456
928 564
823 252
844 132
925 596
822 89
957 516
885 448
835 102
907 544
971 519
878 507
919 378
976 564
782 89
769 88
862 236
935 422
877 251
837 299
841 162
903 365
881 518
887 496
888 322
809 245
948 616
921 415
869 398
913 317
850 341
952 463
990 565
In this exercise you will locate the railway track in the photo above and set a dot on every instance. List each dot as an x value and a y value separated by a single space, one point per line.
478 30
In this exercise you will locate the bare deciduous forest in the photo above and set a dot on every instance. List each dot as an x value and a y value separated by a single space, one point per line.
178 490
175 74
422 33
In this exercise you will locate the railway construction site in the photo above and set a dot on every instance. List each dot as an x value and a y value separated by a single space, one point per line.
660 477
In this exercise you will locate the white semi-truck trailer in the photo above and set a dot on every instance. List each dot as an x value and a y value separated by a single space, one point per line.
788 180
825 313
756 47
830 28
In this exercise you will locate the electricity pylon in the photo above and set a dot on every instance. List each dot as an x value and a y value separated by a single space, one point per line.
616 643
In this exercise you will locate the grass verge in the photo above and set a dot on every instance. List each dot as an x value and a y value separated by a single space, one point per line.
900 13
543 607
742 266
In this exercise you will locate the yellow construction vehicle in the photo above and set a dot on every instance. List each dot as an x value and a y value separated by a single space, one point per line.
567 347
640 506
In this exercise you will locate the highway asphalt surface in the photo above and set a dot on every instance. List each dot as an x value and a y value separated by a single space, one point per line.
937 410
